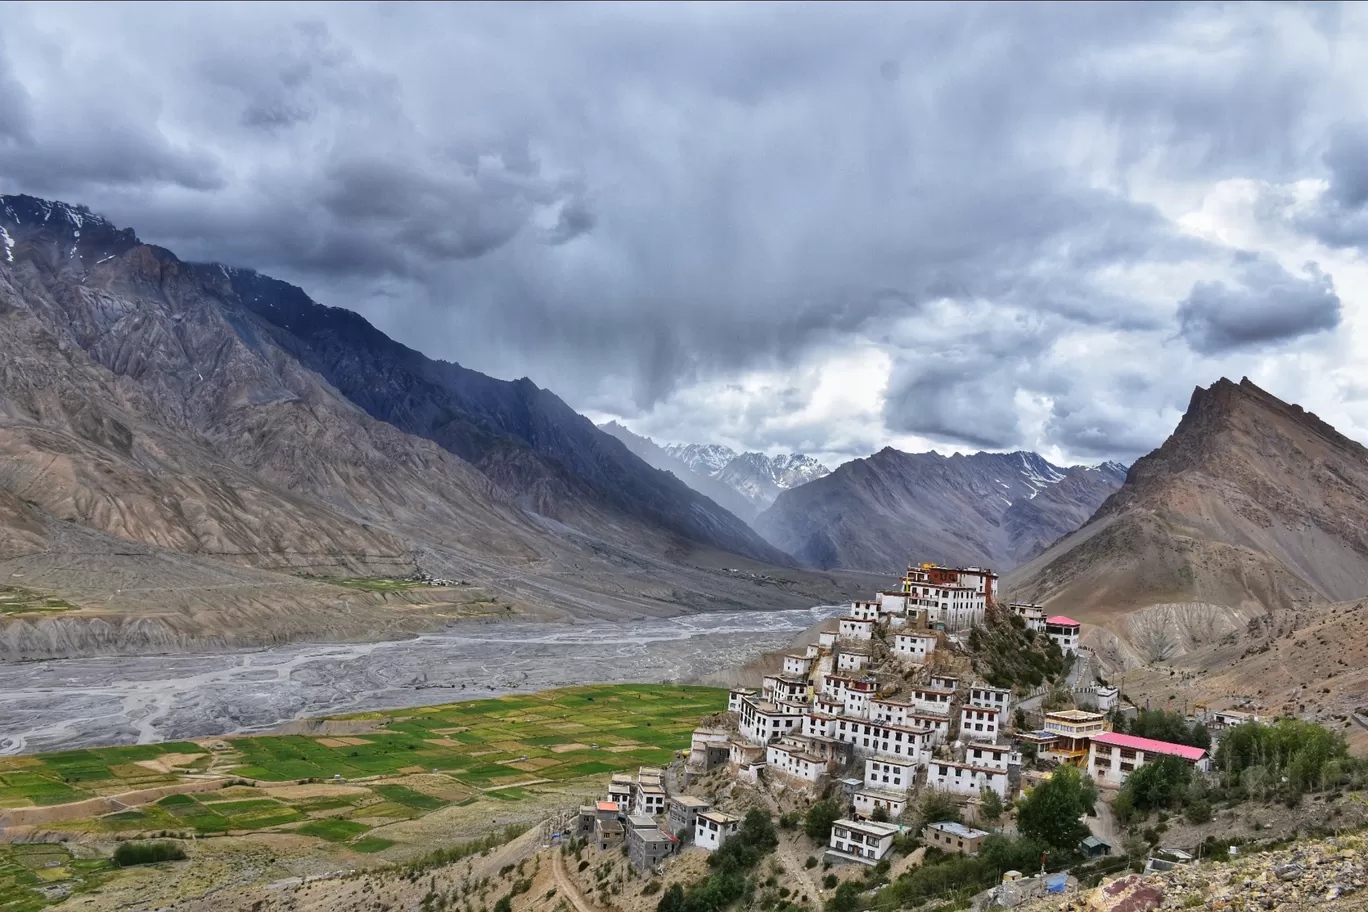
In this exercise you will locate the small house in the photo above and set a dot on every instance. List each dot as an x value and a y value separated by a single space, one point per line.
953 838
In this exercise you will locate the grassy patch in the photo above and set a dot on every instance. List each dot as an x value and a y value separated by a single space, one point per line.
371 584
370 845
408 797
333 829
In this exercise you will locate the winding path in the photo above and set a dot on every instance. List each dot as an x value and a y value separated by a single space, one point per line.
568 885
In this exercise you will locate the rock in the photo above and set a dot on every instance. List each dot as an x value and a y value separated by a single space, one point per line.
1288 872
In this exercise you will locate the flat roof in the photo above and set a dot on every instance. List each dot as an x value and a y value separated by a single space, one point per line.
958 829
1075 715
641 821
885 795
984 745
607 806
1150 745
869 826
691 801
1062 621
719 816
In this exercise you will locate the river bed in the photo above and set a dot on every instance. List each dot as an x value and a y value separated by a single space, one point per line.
69 703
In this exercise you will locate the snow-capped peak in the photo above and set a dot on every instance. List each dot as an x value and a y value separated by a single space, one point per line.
704 458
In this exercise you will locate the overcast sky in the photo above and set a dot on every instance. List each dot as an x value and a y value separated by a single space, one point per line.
816 228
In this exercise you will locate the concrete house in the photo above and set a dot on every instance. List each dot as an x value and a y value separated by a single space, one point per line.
895 774
708 748
763 722
944 682
915 646
792 757
1069 732
990 756
964 779
647 847
683 814
865 611
875 738
737 695
999 698
868 801
933 700
864 841
1112 757
895 712
979 723
850 660
859 629
713 828
1064 631
1033 615
954 838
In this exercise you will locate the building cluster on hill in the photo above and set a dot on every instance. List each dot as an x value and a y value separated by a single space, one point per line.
882 707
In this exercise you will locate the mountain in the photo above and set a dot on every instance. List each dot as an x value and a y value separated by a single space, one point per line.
659 457
704 458
988 509
758 478
1250 508
193 447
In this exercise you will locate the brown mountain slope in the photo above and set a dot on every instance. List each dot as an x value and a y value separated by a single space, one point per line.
170 466
1251 506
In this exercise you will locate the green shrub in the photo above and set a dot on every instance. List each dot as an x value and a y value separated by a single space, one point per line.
811 862
140 853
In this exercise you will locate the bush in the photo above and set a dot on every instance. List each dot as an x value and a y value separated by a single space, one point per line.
829 882
1199 811
651 889
140 853
505 904
811 862
820 817
847 898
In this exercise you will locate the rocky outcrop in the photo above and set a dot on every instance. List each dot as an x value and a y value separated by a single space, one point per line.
1330 874
989 509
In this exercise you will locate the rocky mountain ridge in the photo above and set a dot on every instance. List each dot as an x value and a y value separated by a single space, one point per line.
989 509
1250 508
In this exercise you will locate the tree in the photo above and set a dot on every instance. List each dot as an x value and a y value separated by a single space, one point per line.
847 898
880 814
1160 783
990 806
820 817
937 807
1051 812
672 901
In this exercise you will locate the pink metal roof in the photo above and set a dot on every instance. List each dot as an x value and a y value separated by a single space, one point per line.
1150 746
1063 621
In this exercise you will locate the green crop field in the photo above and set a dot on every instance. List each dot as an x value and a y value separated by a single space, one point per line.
18 600
26 871
345 789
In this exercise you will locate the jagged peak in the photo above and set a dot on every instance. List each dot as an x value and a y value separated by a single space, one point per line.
1215 407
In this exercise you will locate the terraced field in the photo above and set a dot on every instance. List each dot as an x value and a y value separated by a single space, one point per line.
360 784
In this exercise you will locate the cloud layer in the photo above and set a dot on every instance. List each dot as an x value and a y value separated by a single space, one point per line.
819 227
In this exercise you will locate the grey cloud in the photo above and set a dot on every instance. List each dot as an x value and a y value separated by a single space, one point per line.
1339 218
1265 305
623 201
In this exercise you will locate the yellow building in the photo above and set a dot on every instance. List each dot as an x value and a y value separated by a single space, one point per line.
1069 733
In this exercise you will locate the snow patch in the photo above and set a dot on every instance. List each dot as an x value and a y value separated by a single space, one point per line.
6 243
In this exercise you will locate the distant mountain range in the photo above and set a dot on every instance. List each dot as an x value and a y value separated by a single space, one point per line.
744 483
990 509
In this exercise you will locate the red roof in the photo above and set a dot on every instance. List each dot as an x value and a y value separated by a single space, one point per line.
607 806
1063 621
1150 746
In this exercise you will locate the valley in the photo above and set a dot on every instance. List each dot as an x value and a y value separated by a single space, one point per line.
64 704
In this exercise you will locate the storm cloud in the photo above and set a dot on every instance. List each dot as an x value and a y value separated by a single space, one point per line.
823 227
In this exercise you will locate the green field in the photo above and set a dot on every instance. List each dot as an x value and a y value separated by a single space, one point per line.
31 876
374 584
500 750
338 788
18 600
